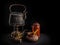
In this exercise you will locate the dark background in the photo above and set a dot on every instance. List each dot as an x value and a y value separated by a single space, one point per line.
41 12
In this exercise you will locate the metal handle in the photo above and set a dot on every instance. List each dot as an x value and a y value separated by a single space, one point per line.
17 5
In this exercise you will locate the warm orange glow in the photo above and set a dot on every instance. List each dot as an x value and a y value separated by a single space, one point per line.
36 29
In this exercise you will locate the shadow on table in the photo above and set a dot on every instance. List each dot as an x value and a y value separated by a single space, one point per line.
43 40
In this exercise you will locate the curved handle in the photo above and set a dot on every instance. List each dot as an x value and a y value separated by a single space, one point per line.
17 5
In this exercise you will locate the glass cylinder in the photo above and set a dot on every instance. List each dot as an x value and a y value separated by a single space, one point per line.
36 29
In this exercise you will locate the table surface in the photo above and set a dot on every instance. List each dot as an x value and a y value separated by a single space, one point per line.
44 39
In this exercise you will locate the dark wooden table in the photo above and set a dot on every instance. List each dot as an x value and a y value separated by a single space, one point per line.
43 40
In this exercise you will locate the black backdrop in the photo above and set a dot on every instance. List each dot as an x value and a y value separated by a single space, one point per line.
37 11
